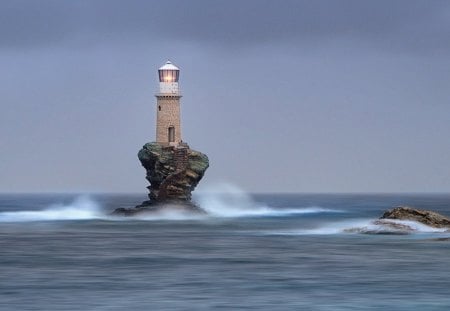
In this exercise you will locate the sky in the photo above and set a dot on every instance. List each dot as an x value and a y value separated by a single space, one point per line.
283 96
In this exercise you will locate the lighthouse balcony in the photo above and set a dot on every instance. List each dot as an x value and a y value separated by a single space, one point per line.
168 95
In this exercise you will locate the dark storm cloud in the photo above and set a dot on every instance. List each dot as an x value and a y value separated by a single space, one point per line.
411 25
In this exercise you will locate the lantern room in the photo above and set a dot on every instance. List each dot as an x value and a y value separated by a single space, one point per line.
169 73
168 78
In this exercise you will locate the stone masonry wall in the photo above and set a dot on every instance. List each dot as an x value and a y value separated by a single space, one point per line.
167 115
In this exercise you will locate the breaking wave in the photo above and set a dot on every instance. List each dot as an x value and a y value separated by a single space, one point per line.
220 201
367 226
226 200
82 208
394 226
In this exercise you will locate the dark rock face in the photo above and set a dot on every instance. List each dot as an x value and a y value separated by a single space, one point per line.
173 173
428 218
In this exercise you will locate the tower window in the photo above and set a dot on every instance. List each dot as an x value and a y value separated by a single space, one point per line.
159 108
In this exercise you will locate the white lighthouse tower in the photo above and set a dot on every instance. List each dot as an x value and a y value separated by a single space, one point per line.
168 121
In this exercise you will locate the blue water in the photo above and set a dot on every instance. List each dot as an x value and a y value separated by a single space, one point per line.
259 252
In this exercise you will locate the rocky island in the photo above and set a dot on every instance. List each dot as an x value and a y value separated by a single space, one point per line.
173 173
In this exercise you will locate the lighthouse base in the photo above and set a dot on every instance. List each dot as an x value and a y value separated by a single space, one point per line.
149 207
173 173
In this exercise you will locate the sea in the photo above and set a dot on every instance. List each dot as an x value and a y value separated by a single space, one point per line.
249 252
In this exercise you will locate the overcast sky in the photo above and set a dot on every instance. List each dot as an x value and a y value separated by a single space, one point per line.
283 96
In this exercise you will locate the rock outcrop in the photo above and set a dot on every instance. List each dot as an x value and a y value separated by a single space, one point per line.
400 220
173 173
428 218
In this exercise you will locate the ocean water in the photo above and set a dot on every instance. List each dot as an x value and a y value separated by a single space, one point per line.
252 252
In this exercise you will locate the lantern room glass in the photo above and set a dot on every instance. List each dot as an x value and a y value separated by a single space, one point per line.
169 75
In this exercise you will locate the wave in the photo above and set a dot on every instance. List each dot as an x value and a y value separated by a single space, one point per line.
393 226
367 226
226 200
82 208
85 208
221 210
164 215
220 201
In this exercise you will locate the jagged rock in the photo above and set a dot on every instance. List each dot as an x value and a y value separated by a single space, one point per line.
425 217
173 173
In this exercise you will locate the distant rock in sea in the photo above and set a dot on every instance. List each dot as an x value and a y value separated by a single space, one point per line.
173 173
429 218
403 220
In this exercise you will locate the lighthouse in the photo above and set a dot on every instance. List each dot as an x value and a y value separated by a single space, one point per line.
168 121
173 169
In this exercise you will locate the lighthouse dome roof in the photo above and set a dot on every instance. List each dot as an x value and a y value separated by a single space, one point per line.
169 66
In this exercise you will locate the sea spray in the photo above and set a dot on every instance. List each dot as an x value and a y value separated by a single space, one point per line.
219 201
82 208
228 200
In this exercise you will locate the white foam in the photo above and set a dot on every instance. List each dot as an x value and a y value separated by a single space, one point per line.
219 201
227 200
81 208
167 215
417 226
365 226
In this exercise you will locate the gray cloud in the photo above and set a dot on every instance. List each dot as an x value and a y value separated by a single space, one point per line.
407 25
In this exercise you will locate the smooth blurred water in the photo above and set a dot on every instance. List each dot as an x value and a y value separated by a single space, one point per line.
261 252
